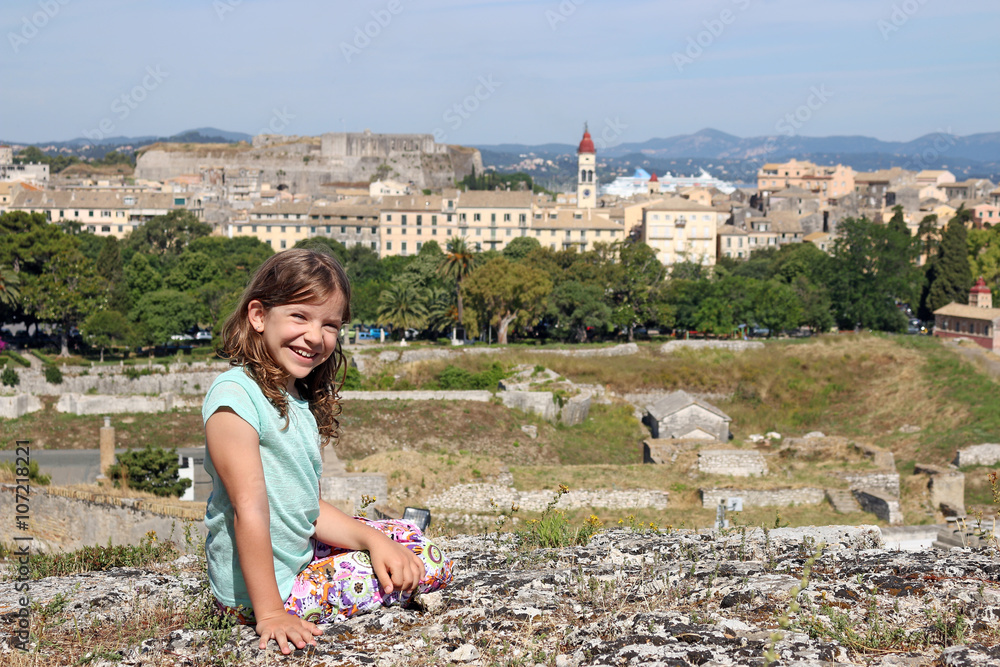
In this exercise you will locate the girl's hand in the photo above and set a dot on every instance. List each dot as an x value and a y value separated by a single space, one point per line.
396 567
286 629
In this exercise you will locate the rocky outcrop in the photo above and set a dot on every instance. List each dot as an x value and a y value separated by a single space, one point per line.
627 598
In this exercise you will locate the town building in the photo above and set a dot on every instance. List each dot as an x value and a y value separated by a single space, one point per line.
977 321
828 182
586 186
680 230
406 223
102 212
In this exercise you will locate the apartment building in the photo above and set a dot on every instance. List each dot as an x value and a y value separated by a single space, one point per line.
406 223
105 213
283 225
493 218
681 230
829 182
574 228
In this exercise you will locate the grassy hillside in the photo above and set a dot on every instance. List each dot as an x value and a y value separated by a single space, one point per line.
863 387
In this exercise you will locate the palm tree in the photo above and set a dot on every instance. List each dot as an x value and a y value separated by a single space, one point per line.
401 305
10 283
441 311
457 264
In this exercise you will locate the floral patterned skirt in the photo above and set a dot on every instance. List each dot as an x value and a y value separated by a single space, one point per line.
339 583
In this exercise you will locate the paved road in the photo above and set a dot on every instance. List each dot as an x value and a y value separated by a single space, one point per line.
79 466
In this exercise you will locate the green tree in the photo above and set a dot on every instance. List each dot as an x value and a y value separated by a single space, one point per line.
776 307
140 277
402 306
505 295
457 264
520 248
163 313
578 307
65 292
192 270
631 279
872 268
950 276
167 234
110 266
10 287
103 327
151 469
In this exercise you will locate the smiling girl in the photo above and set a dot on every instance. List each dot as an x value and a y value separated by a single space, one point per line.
279 557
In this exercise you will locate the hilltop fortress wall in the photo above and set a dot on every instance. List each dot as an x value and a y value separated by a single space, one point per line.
304 164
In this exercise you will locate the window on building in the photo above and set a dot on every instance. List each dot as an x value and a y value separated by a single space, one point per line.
434 220
461 217
253 228
357 230
404 220
373 246
403 247
328 229
476 217
180 201
120 230
105 228
282 244
420 220
388 245
91 214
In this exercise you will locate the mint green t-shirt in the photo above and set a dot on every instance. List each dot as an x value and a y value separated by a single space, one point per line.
292 470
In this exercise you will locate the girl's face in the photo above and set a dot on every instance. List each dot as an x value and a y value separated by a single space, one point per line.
299 337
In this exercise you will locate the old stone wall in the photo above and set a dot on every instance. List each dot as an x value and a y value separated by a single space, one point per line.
12 407
494 498
79 404
735 462
480 396
887 482
730 345
114 382
441 168
710 498
62 519
881 504
986 454
542 403
352 486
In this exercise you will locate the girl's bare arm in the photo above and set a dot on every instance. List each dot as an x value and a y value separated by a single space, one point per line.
235 450
396 567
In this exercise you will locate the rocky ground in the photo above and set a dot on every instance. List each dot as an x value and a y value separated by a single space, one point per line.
804 596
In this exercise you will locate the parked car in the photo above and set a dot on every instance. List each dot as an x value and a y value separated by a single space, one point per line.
182 336
204 334
410 334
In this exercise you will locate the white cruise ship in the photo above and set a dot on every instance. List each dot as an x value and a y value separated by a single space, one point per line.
638 183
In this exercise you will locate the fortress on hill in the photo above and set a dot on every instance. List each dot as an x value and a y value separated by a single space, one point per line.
305 164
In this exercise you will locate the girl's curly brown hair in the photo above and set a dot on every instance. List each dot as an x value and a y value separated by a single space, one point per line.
290 277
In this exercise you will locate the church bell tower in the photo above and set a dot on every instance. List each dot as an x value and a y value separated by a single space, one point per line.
586 183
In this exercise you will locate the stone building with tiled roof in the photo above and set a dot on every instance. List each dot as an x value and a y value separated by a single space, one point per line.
579 228
681 230
978 321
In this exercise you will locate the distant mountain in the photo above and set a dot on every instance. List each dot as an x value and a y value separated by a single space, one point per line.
96 148
738 159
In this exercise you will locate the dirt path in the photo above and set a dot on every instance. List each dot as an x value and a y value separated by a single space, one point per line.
979 356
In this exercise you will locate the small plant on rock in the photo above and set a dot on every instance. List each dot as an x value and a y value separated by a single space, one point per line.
10 378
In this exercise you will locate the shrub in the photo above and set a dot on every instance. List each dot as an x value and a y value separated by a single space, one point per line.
152 469
53 375
352 382
10 378
18 358
33 472
459 379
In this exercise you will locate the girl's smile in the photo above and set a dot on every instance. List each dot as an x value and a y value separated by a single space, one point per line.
298 337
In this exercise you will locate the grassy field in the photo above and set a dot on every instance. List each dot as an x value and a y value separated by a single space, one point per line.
863 387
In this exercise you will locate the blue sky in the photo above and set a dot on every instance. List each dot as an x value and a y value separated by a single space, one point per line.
494 71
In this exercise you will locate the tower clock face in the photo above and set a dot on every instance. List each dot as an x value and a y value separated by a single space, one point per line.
586 192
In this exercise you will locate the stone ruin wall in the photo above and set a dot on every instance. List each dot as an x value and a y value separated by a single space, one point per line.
307 165
735 462
710 498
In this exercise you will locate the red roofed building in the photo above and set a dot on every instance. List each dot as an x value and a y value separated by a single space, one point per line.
654 184
978 321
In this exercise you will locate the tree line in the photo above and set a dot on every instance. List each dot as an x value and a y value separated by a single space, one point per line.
171 274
